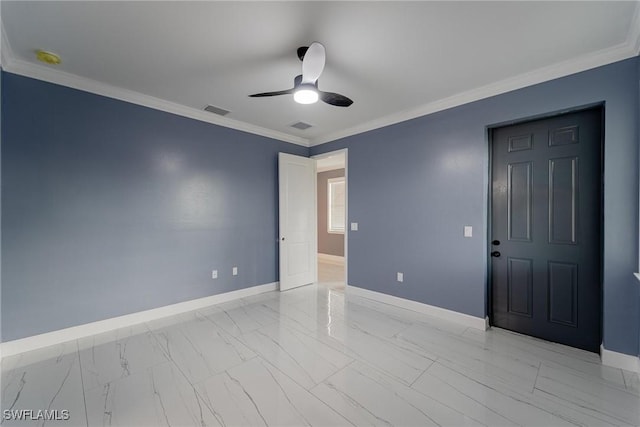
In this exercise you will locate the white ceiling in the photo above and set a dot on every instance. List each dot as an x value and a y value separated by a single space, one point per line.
396 60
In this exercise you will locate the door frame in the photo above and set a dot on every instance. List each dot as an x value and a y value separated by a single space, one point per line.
347 228
284 158
489 130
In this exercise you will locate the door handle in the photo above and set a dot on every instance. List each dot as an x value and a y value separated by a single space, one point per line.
283 239
495 254
495 242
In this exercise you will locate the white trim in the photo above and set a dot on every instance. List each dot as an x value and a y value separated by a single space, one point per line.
330 162
34 342
5 49
625 50
345 152
346 216
328 168
633 38
44 73
431 310
637 275
331 259
619 360
338 180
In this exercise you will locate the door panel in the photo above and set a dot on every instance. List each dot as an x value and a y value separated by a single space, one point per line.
520 286
546 215
563 197
519 195
563 293
297 194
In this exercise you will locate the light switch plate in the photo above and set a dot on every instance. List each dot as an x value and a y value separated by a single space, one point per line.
468 231
235 271
214 274
400 277
354 226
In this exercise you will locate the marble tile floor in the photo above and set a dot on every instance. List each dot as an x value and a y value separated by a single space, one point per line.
313 356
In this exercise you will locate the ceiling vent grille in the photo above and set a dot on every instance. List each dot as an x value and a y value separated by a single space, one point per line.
301 125
216 110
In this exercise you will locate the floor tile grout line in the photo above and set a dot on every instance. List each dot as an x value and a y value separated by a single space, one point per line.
549 346
262 357
177 366
285 374
316 385
84 398
295 333
325 403
624 380
186 378
585 376
535 382
468 396
168 356
553 358
544 359
519 395
423 372
445 403
256 354
334 373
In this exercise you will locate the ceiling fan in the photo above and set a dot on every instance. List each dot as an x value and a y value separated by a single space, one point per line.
305 86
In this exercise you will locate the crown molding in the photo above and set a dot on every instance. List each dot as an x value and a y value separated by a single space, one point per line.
625 50
40 72
634 32
5 49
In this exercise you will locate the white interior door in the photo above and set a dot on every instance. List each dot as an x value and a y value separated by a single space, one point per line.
298 246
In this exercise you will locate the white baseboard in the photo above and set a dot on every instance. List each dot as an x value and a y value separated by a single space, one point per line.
619 360
35 342
331 259
431 310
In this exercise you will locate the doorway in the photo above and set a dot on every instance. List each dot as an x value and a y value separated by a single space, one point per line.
545 242
331 171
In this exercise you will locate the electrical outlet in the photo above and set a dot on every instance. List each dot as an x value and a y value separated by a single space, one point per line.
354 226
214 274
468 231
234 271
400 277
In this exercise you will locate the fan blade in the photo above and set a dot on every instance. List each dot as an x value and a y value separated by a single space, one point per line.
301 51
313 63
335 99
279 92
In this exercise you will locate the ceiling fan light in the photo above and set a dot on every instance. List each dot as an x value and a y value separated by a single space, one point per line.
306 95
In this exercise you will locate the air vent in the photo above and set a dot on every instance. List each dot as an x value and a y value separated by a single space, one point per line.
301 125
216 110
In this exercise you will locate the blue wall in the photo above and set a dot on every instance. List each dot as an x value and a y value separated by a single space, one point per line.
109 208
414 185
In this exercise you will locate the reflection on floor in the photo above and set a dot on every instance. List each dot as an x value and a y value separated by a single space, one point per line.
315 356
331 275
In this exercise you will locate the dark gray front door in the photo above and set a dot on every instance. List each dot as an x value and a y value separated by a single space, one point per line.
546 218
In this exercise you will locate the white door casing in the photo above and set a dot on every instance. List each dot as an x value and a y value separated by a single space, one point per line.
298 239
